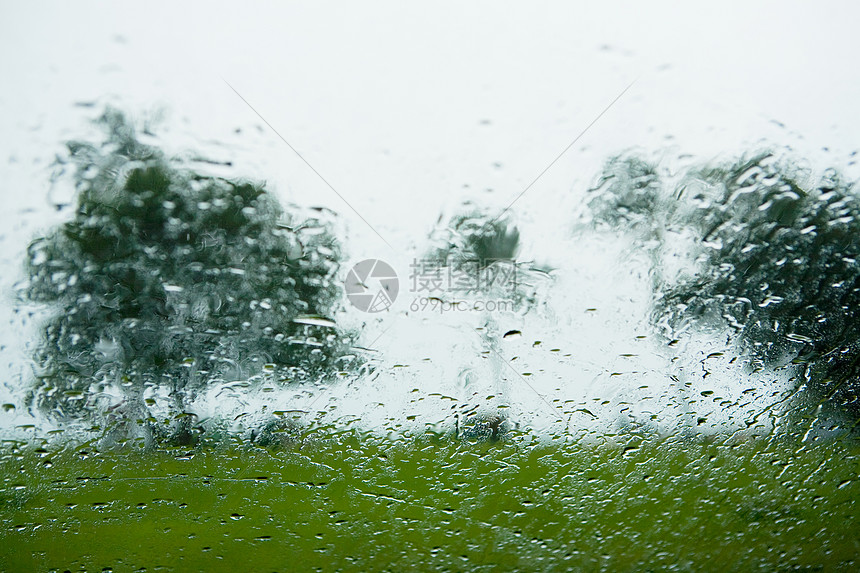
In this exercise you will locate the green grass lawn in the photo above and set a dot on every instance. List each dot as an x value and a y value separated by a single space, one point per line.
348 501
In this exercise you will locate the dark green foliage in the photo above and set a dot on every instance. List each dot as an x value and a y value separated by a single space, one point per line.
484 248
480 251
630 193
474 238
166 278
279 434
483 428
777 259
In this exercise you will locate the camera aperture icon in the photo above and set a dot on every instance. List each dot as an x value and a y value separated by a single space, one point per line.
371 285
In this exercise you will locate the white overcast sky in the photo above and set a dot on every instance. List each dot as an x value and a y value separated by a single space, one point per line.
400 105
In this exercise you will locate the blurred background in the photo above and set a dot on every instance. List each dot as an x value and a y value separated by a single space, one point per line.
412 111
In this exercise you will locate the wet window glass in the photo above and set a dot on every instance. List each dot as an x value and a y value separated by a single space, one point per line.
381 288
